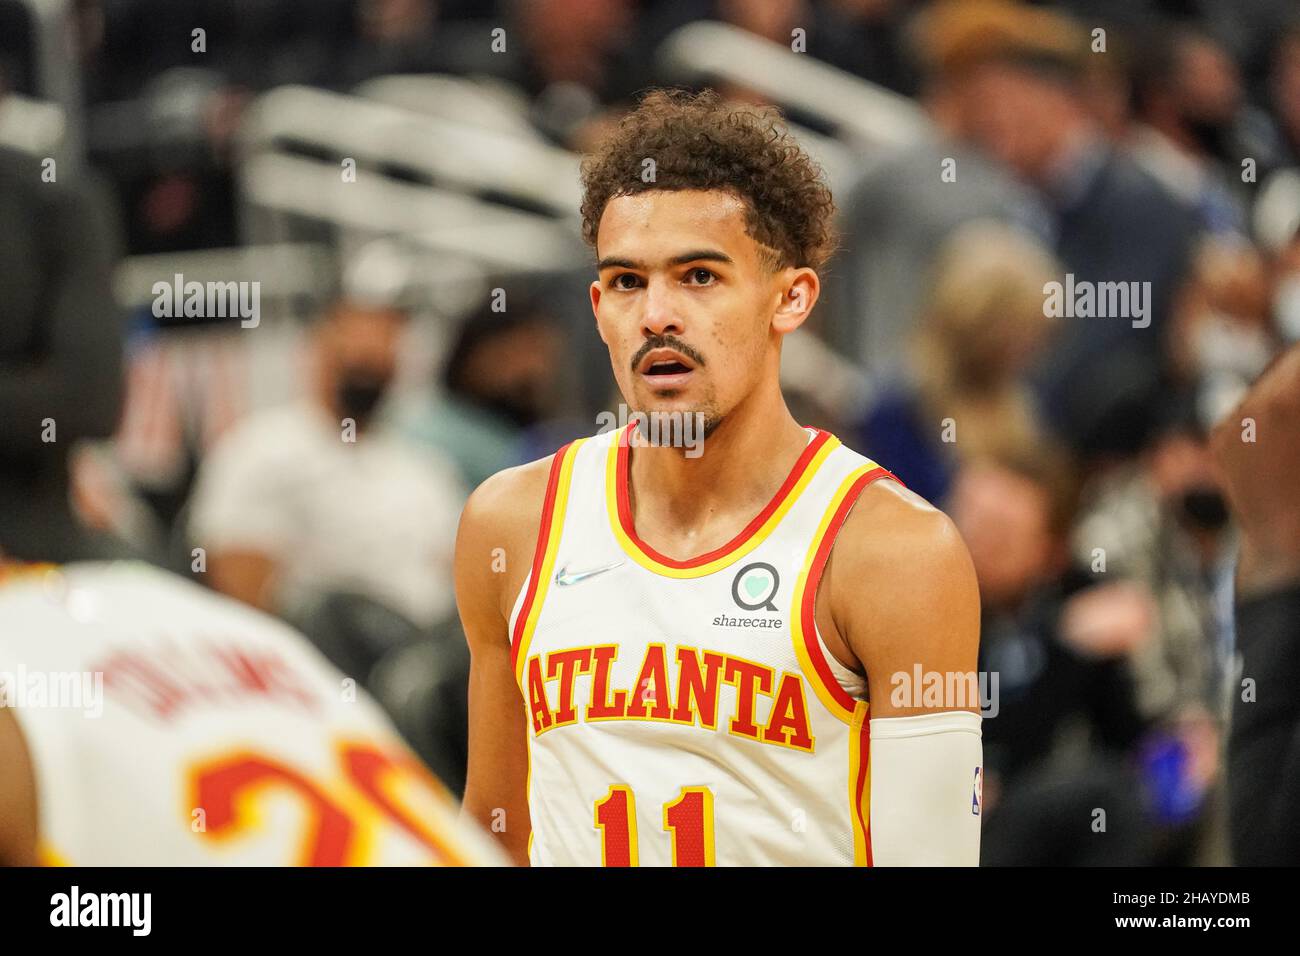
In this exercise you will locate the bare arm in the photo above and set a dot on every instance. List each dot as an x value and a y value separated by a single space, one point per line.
503 513
906 601
1258 449
903 593
18 825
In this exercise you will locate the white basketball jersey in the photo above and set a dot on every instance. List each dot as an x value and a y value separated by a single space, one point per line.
687 712
168 725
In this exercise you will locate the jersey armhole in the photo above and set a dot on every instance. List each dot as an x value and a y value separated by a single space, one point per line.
539 541
827 671
853 683
519 603
858 680
532 591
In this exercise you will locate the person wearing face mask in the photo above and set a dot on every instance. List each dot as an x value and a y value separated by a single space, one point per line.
319 496
1055 644
1164 523
505 384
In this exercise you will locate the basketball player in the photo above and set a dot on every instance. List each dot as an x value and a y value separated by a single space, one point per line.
718 653
146 721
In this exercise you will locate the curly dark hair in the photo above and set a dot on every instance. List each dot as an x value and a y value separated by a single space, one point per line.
698 141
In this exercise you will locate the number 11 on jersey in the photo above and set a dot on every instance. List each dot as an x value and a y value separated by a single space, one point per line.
688 820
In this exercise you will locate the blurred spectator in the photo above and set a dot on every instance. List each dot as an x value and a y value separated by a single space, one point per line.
17 48
1014 77
500 378
859 36
392 36
1057 654
978 330
1222 333
318 496
895 219
1275 139
864 37
1163 523
1190 100
574 59
897 216
1106 85
161 107
61 338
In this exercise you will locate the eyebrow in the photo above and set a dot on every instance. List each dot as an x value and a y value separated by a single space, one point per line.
695 255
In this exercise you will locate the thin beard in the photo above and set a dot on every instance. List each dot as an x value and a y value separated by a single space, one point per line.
710 425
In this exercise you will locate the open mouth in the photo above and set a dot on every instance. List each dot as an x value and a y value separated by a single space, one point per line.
670 367
666 368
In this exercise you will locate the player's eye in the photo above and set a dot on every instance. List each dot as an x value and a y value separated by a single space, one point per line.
701 276
618 283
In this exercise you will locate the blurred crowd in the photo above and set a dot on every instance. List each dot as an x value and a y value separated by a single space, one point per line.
1144 156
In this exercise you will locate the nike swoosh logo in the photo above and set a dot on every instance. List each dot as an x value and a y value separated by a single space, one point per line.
565 577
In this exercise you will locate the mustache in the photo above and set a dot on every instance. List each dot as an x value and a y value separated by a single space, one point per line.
666 342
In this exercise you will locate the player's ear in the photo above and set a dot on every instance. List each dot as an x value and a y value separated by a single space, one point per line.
799 289
594 291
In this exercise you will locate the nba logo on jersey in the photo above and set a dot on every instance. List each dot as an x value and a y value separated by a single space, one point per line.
977 793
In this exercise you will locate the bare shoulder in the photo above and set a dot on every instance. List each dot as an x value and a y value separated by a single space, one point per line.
903 590
509 496
892 527
497 534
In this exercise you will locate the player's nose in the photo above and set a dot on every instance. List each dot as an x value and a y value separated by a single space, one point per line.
661 316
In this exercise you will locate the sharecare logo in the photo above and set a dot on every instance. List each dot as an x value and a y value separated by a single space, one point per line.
754 586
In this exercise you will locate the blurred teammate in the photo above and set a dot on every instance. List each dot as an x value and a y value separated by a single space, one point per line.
696 636
145 721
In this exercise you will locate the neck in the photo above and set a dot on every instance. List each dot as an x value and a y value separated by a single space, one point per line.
701 502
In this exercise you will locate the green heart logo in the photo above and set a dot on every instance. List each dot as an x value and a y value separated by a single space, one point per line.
754 586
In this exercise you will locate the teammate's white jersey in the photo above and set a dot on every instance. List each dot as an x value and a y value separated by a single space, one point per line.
687 712
169 725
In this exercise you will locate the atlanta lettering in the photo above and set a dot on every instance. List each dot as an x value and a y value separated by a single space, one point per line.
691 699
